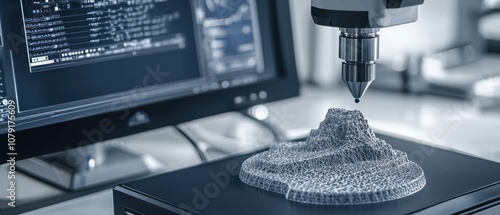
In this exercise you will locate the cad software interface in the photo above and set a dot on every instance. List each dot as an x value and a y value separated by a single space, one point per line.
84 57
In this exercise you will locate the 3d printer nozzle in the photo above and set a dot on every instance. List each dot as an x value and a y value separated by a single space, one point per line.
359 48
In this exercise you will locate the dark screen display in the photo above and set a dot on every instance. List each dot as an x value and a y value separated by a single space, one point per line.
85 49
77 58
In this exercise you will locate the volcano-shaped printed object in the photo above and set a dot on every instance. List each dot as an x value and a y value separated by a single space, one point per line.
341 163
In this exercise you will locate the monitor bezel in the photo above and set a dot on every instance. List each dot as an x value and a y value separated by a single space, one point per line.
69 135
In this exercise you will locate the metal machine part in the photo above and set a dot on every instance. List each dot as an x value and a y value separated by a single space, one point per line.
359 22
359 50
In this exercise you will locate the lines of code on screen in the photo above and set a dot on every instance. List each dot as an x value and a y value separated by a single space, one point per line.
62 33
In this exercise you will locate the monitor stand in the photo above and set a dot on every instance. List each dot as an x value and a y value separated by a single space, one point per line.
87 167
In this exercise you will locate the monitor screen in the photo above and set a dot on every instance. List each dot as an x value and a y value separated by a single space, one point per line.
66 61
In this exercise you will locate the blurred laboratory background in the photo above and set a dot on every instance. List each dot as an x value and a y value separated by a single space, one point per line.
452 46
437 83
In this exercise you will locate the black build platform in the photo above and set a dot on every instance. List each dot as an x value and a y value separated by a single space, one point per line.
456 183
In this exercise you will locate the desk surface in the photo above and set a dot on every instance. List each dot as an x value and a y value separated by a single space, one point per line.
451 179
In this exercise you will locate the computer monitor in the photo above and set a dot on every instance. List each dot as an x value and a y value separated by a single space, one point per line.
78 72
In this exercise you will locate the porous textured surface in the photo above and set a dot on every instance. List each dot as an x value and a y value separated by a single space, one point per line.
341 163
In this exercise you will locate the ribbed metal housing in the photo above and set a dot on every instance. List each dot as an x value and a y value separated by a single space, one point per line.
359 49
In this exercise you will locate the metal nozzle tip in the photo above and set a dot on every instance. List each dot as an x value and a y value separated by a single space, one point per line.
357 101
358 89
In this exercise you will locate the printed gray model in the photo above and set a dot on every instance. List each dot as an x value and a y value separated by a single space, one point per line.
341 163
